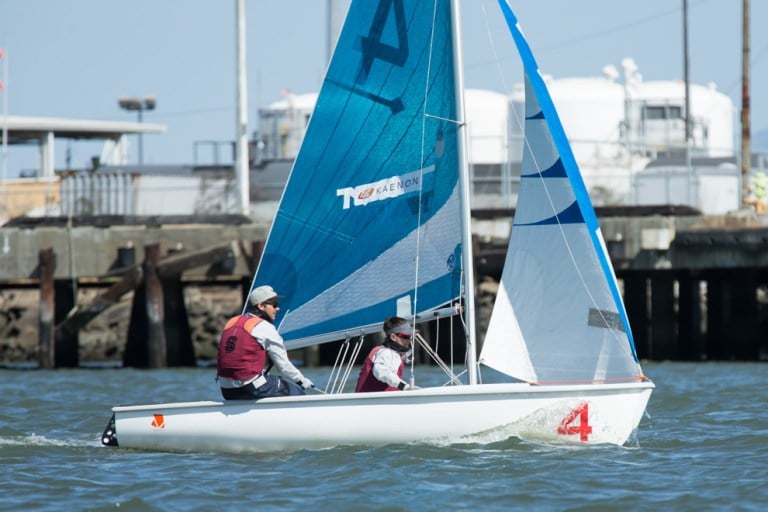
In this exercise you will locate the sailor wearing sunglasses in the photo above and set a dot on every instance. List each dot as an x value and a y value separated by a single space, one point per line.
383 368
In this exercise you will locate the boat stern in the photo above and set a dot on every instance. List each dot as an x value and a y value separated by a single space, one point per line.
109 437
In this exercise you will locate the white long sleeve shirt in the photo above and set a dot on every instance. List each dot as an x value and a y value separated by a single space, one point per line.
386 362
266 334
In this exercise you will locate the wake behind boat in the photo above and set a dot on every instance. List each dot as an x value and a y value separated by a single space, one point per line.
374 221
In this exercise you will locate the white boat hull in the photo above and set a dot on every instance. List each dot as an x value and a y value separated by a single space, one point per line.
587 414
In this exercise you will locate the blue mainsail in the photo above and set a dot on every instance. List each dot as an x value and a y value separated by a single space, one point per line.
559 315
368 225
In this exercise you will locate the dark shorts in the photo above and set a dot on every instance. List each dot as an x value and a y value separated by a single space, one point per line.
275 386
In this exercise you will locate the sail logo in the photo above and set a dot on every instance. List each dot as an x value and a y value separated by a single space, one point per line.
387 188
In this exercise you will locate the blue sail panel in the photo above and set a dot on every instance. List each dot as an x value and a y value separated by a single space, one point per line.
367 220
571 215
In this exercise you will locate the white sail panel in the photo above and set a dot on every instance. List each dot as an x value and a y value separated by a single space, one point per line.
504 349
568 324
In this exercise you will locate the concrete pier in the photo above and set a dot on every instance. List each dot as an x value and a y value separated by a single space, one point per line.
696 288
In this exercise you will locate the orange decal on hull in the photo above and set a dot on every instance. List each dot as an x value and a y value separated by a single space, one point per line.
159 421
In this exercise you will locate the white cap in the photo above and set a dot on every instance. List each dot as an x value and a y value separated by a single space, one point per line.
261 294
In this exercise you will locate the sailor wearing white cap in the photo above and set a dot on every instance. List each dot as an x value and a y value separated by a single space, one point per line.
246 344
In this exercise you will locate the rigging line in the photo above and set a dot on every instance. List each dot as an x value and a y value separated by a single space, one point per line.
319 228
437 338
195 112
351 148
414 307
462 307
458 376
538 168
505 87
760 54
345 156
594 35
440 118
560 227
496 59
436 358
353 357
332 378
451 347
347 366
617 28
315 198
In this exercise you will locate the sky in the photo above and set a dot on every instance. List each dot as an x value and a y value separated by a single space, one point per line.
74 58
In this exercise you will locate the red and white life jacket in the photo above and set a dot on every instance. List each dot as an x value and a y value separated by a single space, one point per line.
367 383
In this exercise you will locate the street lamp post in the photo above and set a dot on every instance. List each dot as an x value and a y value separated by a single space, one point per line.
139 105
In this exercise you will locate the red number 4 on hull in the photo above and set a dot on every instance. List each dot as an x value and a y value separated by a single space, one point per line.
567 428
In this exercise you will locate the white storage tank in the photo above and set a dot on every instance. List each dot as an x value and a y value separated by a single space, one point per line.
282 125
591 111
661 107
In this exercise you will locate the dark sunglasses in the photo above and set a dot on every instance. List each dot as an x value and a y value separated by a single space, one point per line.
271 302
404 336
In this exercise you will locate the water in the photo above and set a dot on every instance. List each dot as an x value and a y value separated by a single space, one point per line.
702 446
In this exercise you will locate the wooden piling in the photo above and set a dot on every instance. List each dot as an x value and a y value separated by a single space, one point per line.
257 249
636 301
146 346
159 334
663 319
153 288
717 309
67 346
743 324
87 312
46 340
689 330
733 317
178 335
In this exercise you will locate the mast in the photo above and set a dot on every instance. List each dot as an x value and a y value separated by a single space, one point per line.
686 74
467 258
242 166
4 91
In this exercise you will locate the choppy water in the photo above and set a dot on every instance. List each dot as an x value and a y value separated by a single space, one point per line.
702 446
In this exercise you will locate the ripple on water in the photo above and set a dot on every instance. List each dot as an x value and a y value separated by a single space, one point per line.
701 447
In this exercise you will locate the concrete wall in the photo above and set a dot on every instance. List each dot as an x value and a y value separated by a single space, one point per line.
87 251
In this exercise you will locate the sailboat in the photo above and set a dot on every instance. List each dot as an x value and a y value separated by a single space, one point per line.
374 221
